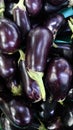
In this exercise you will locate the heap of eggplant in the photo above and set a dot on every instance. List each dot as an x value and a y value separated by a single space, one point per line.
36 64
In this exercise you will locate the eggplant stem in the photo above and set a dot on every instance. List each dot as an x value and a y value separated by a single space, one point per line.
20 5
37 76
22 56
2 8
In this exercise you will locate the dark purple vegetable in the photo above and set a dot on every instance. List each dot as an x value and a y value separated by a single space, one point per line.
39 39
21 18
8 66
55 124
67 115
62 50
9 36
54 22
17 112
49 8
58 78
57 2
33 6
30 87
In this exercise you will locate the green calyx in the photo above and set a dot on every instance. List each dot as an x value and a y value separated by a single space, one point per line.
70 22
2 8
16 90
37 76
20 5
22 56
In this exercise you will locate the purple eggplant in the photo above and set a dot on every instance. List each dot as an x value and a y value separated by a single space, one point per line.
51 9
33 6
58 78
8 66
17 111
30 87
54 23
10 38
39 42
21 18
57 2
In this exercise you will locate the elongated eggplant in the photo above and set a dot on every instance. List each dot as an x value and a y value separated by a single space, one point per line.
21 18
56 3
50 8
16 110
54 23
30 87
39 42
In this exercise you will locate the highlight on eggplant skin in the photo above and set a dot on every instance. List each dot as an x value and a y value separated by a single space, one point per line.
16 111
39 39
10 34
54 22
21 18
33 6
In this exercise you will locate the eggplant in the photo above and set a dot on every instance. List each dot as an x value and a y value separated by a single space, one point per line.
62 50
57 3
21 18
34 6
8 65
39 39
58 78
16 110
30 87
54 23
51 9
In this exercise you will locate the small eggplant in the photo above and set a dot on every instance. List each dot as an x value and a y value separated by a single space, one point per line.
16 111
54 23
39 39
8 65
30 87
49 8
62 50
9 36
57 2
21 18
33 6
58 78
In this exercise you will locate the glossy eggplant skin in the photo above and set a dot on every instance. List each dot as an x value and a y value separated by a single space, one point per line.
33 6
8 66
30 86
57 2
54 22
9 37
39 39
63 50
58 78
21 18
67 115
50 8
17 112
